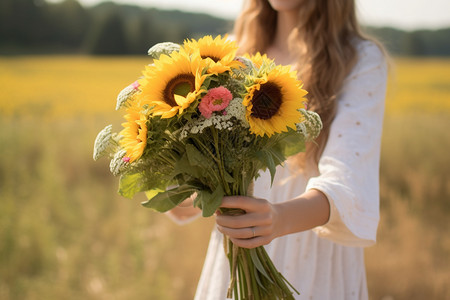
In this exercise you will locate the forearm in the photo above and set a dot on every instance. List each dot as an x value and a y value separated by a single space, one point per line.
309 210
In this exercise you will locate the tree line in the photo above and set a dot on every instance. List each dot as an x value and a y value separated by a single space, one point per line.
36 26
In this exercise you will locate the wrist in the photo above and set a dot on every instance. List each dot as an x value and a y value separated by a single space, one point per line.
281 227
305 212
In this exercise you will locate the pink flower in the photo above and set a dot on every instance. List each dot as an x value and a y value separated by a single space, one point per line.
216 99
126 159
135 85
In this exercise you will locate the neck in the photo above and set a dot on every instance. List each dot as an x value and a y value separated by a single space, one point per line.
286 22
280 50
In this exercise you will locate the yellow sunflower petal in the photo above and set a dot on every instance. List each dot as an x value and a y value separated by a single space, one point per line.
134 133
170 78
218 54
273 101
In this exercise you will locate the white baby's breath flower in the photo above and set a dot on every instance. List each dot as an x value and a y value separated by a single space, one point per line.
104 143
311 126
249 65
124 97
246 61
219 122
163 48
237 109
118 165
301 128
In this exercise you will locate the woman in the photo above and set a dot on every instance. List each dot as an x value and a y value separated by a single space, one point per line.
323 207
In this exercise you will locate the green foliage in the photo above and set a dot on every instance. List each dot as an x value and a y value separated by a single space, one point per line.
267 158
107 28
183 166
69 27
127 185
167 200
210 202
293 143
413 43
109 36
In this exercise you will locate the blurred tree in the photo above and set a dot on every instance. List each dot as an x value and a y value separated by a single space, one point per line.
414 44
392 39
430 42
143 33
108 36
30 26
20 21
72 22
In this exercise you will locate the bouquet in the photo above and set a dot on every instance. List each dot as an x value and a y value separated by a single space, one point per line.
204 121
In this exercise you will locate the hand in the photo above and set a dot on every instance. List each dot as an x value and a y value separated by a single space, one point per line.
259 226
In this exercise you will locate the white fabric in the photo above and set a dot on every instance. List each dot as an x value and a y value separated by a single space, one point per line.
328 261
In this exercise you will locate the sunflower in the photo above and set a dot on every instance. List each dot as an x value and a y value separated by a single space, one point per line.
218 54
258 59
172 83
273 100
134 133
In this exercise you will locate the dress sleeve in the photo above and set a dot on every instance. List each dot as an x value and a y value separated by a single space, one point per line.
349 165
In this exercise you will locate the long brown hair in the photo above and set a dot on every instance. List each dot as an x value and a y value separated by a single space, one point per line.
323 41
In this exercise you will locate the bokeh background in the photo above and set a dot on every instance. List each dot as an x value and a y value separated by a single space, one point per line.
66 234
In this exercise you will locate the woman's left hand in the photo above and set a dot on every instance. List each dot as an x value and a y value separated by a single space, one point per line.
257 227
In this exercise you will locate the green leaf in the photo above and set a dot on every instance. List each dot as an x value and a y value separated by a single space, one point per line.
195 157
210 202
258 264
183 166
152 193
266 158
130 184
277 156
293 144
167 200
228 178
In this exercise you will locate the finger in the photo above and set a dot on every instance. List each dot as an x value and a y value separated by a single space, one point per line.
242 221
245 233
240 233
248 204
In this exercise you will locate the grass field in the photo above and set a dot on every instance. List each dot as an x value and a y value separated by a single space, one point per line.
66 234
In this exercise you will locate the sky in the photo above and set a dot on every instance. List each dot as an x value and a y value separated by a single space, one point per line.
403 14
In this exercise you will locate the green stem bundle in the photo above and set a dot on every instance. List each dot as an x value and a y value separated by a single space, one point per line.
253 275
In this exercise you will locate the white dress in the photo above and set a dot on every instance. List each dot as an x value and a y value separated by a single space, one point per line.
327 262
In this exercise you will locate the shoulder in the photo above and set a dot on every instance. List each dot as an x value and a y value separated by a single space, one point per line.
370 55
368 78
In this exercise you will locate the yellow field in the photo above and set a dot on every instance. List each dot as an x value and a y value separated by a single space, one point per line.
84 86
419 85
66 234
64 86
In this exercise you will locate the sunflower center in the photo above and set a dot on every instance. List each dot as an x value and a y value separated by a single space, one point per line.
214 58
267 101
182 85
